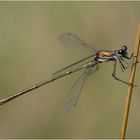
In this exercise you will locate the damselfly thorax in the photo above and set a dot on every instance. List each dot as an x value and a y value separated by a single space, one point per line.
105 55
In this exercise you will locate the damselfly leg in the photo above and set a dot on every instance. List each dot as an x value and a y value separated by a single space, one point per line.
123 68
114 74
123 60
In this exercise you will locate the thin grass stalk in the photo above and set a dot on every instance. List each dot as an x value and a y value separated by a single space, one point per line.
130 86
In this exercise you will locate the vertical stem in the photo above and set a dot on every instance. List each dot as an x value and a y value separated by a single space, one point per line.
130 87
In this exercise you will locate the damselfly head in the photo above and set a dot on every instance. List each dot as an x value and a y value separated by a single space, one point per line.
123 50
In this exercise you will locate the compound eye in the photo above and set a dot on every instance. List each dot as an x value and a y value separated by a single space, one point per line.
120 51
124 47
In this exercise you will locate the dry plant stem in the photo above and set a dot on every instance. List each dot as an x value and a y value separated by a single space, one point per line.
130 86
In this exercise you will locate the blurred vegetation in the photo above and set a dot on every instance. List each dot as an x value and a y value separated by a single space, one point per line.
30 53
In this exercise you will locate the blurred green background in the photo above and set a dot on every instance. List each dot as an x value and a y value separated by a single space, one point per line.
30 53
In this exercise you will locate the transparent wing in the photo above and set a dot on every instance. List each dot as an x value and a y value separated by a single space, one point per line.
73 41
74 64
75 91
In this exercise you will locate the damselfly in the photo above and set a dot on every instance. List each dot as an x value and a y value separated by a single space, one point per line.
89 65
